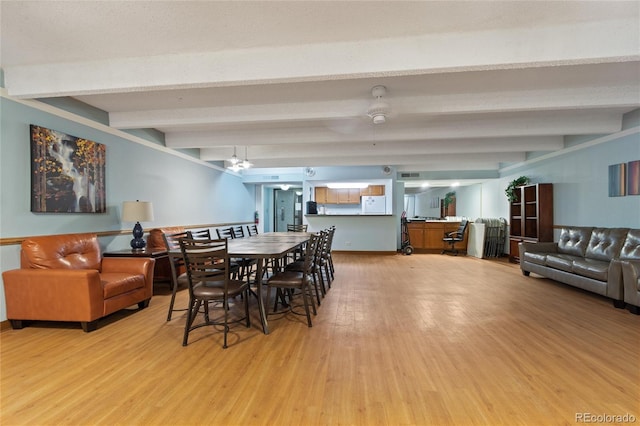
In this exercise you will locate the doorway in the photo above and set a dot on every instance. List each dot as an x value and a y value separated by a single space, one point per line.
287 208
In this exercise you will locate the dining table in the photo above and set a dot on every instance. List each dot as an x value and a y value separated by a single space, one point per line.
262 247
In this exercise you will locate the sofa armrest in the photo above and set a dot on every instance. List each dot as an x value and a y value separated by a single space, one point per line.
53 294
537 247
132 265
524 247
630 274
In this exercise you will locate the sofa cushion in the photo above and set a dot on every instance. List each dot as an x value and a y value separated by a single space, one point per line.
631 247
574 240
70 251
591 268
564 262
116 283
537 258
605 243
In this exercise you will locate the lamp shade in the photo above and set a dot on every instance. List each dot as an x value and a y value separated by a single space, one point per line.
137 211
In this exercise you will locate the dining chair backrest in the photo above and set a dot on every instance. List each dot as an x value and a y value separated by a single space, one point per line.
296 228
311 253
172 241
200 234
224 232
206 260
252 230
237 231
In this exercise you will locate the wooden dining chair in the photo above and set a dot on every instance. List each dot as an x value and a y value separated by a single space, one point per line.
237 231
224 232
318 280
246 265
252 230
288 281
209 279
176 263
200 234
296 227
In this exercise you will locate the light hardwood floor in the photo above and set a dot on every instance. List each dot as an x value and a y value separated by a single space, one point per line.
399 340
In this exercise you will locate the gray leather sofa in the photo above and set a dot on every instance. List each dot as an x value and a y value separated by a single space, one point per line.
588 258
630 260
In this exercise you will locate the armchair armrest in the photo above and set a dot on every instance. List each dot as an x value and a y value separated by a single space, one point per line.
53 294
131 265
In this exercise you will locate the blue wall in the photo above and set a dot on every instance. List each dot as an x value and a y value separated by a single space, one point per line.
579 175
186 191
183 190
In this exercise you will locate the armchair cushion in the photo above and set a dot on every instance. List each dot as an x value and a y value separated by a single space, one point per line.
75 251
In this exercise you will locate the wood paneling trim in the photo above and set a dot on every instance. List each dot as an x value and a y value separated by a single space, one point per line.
18 240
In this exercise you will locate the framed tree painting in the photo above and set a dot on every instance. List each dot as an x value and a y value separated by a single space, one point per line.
67 173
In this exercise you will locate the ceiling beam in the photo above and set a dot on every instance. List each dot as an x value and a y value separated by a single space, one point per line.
480 161
473 145
622 95
469 126
424 54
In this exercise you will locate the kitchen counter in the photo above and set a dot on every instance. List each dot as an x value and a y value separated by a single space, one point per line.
347 215
359 232
426 235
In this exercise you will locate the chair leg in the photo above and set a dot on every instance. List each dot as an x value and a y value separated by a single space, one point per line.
246 307
306 306
194 307
226 322
317 290
174 289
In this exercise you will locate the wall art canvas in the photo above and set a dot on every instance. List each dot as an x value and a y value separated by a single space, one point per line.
617 180
633 177
67 173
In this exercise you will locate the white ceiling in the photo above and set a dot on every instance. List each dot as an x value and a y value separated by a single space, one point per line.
472 85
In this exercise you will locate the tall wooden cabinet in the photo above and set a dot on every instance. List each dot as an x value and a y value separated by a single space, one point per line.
531 217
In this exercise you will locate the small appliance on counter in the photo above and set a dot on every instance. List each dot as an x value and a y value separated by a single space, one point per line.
312 207
374 204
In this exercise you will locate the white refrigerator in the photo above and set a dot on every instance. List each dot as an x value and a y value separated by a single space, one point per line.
374 204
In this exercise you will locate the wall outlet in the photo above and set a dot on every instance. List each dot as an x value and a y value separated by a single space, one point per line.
347 243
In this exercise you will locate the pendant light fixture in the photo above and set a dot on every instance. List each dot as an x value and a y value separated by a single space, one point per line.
235 162
246 164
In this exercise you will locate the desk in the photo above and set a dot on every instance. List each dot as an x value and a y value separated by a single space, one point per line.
272 245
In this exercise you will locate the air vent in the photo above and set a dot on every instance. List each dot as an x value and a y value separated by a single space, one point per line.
270 177
410 175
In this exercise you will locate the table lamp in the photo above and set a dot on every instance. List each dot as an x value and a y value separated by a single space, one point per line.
137 211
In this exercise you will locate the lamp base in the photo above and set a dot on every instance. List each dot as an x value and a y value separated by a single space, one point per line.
138 243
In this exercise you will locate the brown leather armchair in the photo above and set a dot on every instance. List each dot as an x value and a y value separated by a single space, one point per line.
155 242
65 278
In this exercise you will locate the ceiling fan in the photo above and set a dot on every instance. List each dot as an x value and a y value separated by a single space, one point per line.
379 109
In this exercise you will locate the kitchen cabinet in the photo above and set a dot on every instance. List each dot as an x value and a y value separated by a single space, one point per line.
426 237
324 195
372 190
321 194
